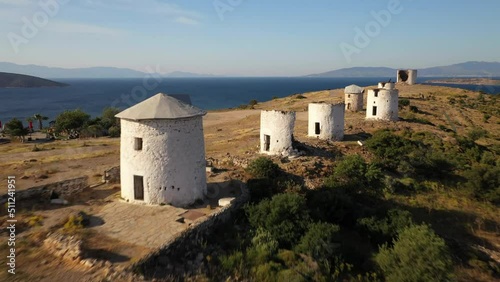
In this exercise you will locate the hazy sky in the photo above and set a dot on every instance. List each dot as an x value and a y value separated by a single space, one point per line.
249 37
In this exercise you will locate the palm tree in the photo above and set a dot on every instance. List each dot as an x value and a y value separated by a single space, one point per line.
40 119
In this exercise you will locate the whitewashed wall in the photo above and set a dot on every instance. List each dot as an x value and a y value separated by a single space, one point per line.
172 160
354 102
279 126
386 103
330 118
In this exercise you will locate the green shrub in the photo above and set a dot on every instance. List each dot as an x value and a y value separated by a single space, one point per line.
114 131
320 241
264 241
267 272
232 263
489 158
353 172
300 96
94 131
389 148
286 185
284 216
71 121
260 189
73 224
329 204
403 103
417 254
15 128
477 133
484 182
108 118
414 109
486 117
35 220
253 103
263 167
382 230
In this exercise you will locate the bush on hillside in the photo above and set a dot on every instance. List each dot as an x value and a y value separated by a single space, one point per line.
417 254
329 204
114 131
484 182
263 167
403 103
320 241
477 133
260 189
388 147
71 121
284 216
356 175
382 230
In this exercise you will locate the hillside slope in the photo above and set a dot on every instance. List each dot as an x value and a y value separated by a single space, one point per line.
8 80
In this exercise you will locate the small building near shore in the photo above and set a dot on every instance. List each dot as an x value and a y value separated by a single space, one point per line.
162 152
276 132
326 121
354 98
382 102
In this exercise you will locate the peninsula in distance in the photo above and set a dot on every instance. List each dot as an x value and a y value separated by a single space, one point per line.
14 80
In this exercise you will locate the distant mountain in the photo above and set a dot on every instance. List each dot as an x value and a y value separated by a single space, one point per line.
358 72
468 69
20 80
94 72
188 74
481 69
49 72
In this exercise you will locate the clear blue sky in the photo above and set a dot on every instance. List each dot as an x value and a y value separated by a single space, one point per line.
252 37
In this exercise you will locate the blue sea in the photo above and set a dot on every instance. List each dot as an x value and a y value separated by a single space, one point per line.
93 95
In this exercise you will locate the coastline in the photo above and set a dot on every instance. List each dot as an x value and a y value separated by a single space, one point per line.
466 81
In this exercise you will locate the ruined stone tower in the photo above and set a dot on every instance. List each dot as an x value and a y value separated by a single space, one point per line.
276 132
407 76
326 121
354 98
382 102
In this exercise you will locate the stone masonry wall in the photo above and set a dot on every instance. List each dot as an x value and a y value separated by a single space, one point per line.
161 262
112 175
62 188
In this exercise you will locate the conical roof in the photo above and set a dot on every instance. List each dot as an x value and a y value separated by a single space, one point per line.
162 106
353 89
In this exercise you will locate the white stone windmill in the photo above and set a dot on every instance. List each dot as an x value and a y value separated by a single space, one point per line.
382 102
326 121
354 98
162 151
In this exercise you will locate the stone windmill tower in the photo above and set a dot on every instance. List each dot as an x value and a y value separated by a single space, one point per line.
382 102
326 121
276 132
162 151
354 98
